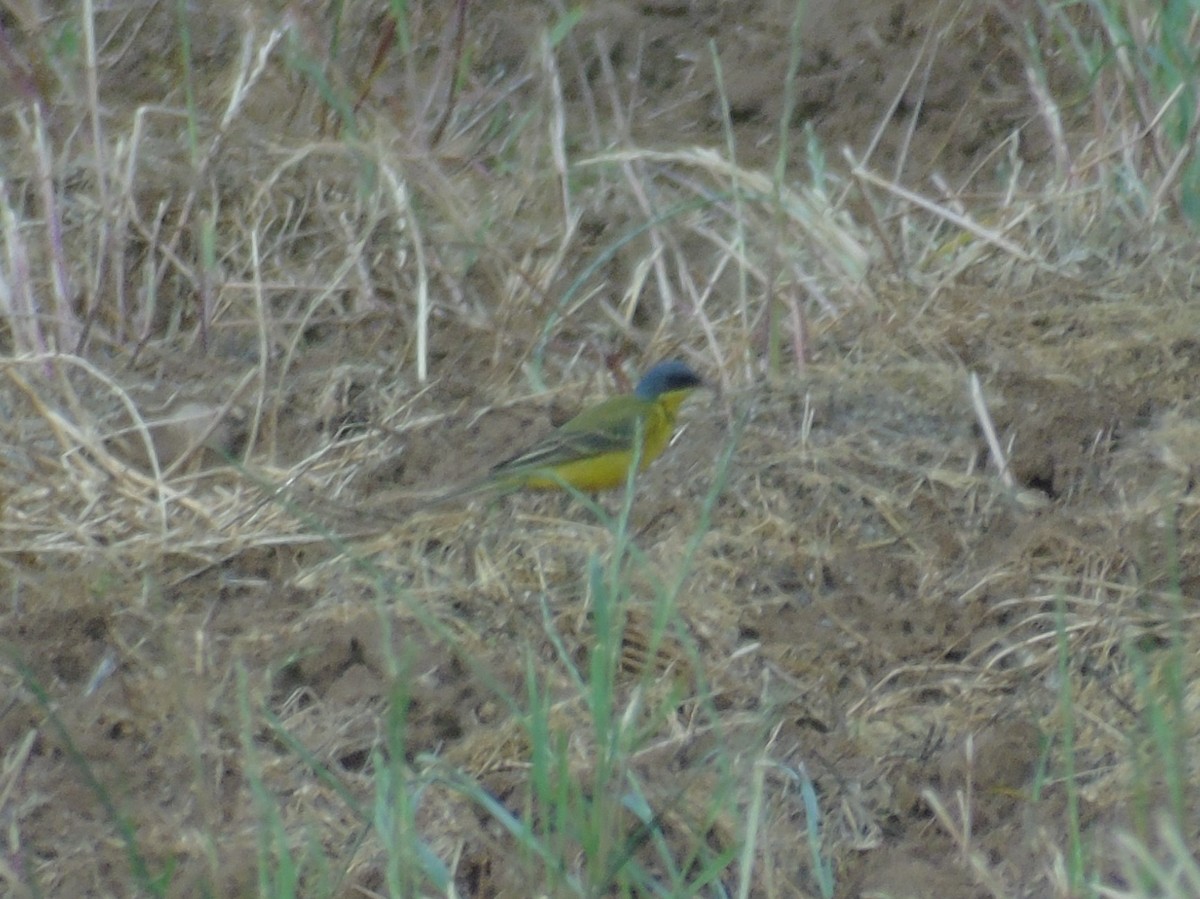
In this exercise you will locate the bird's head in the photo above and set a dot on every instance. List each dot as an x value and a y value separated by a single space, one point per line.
668 382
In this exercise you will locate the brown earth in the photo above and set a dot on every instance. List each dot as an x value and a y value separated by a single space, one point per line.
869 604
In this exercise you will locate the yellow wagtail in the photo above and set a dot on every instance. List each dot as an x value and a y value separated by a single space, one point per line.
595 449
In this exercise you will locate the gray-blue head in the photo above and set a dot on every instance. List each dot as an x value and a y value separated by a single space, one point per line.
665 377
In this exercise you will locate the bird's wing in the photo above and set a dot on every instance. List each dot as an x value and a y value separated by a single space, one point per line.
607 428
562 447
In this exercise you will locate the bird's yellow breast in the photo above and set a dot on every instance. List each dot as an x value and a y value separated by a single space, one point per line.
607 471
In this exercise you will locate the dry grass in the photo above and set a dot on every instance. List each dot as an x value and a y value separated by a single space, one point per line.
906 610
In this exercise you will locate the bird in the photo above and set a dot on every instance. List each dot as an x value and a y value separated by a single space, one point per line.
594 450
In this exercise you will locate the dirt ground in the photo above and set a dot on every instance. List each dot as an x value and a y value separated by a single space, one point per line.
870 602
